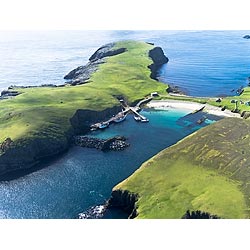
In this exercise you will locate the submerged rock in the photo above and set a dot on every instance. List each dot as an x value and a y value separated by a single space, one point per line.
246 37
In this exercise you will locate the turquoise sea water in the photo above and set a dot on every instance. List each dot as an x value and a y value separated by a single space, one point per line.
205 63
84 177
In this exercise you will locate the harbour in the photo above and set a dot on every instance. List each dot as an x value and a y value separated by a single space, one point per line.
121 116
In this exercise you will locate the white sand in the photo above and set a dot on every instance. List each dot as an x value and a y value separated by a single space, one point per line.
190 107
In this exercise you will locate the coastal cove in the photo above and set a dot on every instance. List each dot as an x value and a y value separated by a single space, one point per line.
83 177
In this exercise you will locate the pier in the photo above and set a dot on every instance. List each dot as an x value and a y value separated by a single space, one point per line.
121 116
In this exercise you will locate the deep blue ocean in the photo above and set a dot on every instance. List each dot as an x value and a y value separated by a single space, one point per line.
205 63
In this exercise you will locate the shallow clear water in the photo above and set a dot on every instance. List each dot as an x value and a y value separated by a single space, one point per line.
85 177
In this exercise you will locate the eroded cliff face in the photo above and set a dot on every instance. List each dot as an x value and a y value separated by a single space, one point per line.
82 74
158 58
124 200
24 154
83 118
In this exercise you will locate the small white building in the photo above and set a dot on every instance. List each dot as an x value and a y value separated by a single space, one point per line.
154 94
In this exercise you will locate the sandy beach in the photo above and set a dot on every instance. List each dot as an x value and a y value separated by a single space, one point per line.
190 107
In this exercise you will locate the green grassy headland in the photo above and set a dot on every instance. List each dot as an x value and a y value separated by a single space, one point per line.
45 112
208 171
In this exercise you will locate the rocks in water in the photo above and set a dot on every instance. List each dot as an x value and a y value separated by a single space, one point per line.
115 143
95 212
175 90
246 37
240 90
82 74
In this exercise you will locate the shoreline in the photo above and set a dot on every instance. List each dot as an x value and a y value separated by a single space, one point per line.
190 107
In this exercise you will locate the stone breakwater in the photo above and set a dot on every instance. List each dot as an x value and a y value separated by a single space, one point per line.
116 143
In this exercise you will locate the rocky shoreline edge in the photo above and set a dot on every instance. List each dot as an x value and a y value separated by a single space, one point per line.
23 155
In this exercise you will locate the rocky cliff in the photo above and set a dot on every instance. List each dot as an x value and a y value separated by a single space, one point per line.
83 118
124 200
82 74
24 154
158 58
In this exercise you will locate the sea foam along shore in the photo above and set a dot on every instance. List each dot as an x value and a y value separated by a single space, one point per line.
190 106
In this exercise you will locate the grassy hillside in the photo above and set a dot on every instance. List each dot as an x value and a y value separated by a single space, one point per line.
241 101
45 112
207 171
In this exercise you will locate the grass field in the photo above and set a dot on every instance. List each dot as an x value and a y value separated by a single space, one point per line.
241 101
208 171
43 112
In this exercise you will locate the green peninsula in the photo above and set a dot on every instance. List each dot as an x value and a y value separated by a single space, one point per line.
40 121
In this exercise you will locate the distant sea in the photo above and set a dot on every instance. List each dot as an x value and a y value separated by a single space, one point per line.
205 63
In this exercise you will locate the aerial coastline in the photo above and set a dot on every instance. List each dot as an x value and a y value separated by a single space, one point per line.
169 104
92 94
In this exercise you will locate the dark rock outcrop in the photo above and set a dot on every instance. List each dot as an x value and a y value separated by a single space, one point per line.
106 50
245 114
8 93
24 154
84 118
124 200
246 37
5 145
82 74
158 58
199 215
175 90
115 143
